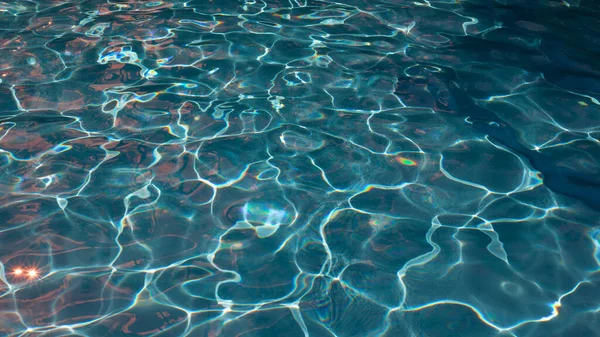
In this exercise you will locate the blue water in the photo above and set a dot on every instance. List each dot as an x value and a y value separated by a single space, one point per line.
300 168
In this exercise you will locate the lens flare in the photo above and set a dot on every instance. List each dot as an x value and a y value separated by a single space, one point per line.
29 273
32 273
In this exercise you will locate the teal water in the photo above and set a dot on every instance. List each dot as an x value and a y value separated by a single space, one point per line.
300 168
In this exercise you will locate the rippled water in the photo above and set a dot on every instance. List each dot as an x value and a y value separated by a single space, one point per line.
300 168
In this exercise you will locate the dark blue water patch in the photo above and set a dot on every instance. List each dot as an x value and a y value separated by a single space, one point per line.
559 179
562 180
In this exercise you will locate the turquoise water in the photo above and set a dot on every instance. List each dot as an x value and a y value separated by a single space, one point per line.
300 168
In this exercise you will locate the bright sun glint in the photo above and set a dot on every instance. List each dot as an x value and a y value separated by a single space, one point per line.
30 273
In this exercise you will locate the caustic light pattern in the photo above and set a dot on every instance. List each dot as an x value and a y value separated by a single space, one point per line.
258 168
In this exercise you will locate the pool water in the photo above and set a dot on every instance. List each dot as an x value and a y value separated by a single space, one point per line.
300 168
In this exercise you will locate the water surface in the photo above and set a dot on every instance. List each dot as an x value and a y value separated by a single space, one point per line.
300 168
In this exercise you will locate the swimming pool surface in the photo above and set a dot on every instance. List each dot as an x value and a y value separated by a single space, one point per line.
295 168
